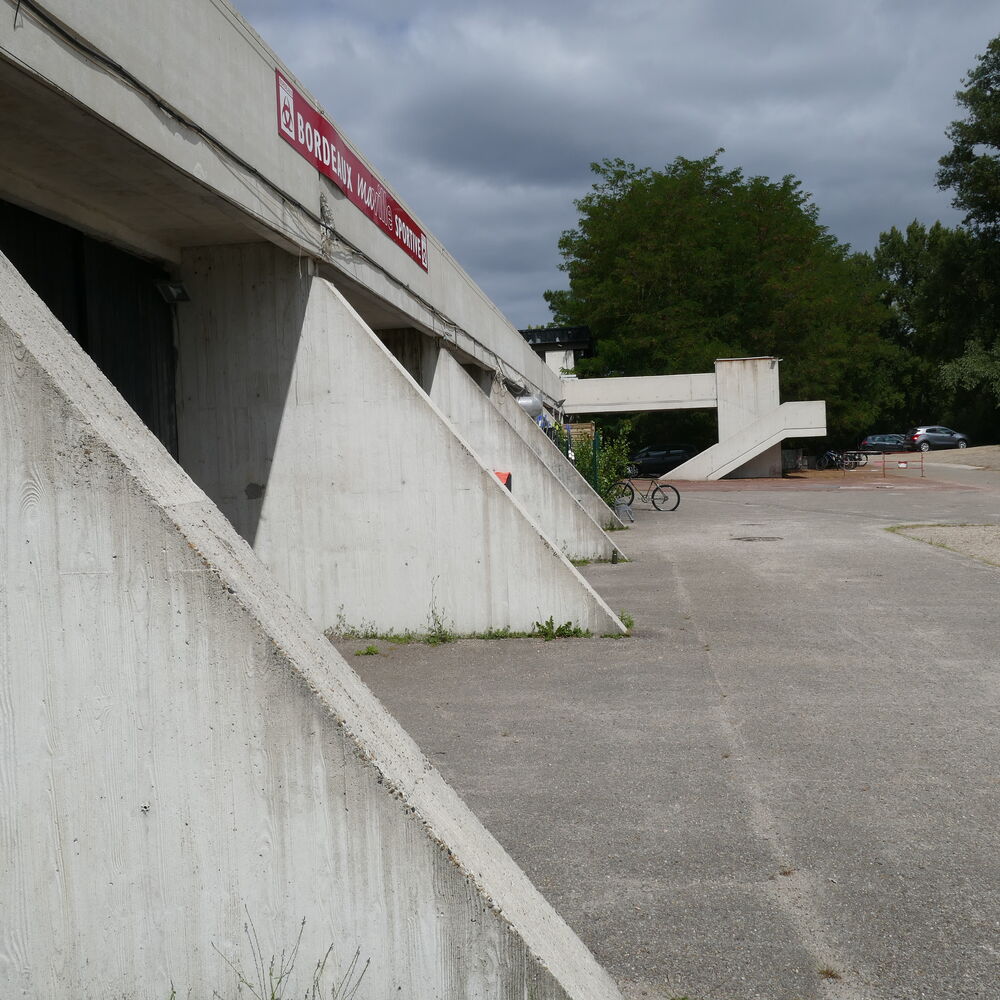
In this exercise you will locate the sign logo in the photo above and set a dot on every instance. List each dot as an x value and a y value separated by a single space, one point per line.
286 108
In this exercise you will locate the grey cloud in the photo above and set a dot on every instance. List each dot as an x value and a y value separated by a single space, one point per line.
484 118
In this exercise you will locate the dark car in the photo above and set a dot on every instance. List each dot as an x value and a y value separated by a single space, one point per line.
654 461
928 436
881 443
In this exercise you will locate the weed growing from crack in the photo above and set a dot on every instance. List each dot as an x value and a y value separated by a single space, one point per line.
438 630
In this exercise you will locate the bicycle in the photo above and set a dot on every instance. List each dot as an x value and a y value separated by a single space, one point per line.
662 496
842 460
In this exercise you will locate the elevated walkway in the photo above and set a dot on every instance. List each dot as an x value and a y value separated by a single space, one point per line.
752 420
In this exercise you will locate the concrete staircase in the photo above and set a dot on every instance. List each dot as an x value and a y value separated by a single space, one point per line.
789 420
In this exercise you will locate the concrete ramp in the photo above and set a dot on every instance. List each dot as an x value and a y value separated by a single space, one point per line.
183 752
801 419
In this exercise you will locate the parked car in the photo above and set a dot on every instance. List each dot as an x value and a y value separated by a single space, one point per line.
928 436
654 461
876 444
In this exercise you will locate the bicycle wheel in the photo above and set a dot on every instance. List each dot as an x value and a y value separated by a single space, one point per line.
862 457
622 492
823 463
665 497
848 462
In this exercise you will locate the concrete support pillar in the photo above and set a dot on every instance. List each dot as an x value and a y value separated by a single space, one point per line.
182 749
360 495
747 389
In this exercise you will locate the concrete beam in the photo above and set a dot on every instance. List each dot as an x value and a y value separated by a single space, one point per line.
639 393
183 749
354 488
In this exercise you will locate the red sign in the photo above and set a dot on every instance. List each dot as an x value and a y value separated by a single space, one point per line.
313 137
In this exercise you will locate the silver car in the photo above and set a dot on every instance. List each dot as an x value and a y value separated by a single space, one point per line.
929 436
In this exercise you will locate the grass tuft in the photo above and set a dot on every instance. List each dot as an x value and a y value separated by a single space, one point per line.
548 630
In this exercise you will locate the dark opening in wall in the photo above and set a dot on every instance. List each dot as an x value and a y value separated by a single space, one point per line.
108 300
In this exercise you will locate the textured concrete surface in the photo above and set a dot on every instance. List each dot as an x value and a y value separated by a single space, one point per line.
355 490
569 526
785 785
184 753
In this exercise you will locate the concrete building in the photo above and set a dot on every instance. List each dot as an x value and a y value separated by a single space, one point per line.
246 396
560 347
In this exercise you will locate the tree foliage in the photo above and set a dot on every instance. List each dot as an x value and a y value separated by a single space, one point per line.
672 269
964 325
972 169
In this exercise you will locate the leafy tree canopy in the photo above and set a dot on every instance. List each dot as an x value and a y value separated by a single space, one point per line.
972 168
956 320
672 269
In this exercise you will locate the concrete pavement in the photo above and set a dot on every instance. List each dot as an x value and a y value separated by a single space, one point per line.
785 784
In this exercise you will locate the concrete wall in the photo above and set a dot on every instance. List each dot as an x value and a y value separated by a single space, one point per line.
560 361
354 489
216 75
571 528
182 749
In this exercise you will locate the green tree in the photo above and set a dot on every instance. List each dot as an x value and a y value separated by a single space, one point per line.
672 269
971 170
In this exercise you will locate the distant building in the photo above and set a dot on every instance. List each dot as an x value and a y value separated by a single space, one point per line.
560 347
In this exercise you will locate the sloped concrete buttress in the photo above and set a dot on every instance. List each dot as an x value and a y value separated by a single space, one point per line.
550 504
358 493
183 752
555 461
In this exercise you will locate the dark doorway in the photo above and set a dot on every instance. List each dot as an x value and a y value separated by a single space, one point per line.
108 300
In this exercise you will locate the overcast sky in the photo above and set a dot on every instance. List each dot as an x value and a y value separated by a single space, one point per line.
484 117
